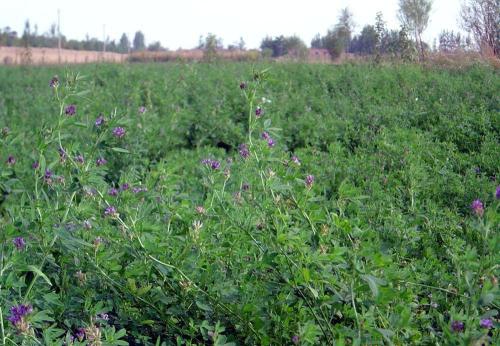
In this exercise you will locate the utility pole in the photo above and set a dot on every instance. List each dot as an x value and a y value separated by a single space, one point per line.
59 34
104 38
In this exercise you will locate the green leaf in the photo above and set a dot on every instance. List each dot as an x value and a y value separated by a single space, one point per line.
373 282
39 273
41 316
203 306
120 150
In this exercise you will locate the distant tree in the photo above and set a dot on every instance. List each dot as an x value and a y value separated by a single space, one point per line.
481 18
365 43
317 41
295 47
345 27
275 45
210 44
449 41
381 35
241 44
404 47
139 41
53 30
414 15
26 34
124 45
155 47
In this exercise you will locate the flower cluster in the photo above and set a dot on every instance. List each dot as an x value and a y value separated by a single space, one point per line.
477 207
99 120
11 160
244 151
54 82
19 243
70 110
486 323
214 164
137 189
142 110
101 161
79 158
119 132
110 211
270 142
309 181
18 315
457 326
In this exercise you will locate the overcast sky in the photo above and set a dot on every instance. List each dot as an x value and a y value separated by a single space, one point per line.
180 23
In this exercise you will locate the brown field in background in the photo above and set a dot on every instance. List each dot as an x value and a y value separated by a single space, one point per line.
50 56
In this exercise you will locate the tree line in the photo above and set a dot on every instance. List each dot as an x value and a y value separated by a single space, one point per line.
479 18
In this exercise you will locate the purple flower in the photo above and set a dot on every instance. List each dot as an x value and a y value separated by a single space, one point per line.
101 161
19 243
243 85
457 326
138 189
296 160
79 158
80 334
70 110
270 142
497 193
295 339
309 181
125 187
265 135
258 112
477 170
62 154
99 121
110 211
98 241
11 160
87 224
486 323
35 165
113 192
243 150
119 132
477 207
18 312
245 187
142 110
215 164
54 82
48 174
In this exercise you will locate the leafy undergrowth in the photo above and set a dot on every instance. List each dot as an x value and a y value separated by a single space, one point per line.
216 204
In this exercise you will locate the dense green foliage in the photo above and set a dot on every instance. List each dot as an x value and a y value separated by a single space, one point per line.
352 225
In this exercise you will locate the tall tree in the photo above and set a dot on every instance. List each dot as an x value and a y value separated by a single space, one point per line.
481 18
345 27
124 44
139 41
381 33
414 15
26 33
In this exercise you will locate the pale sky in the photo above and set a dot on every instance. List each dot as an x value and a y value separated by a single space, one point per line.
180 23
